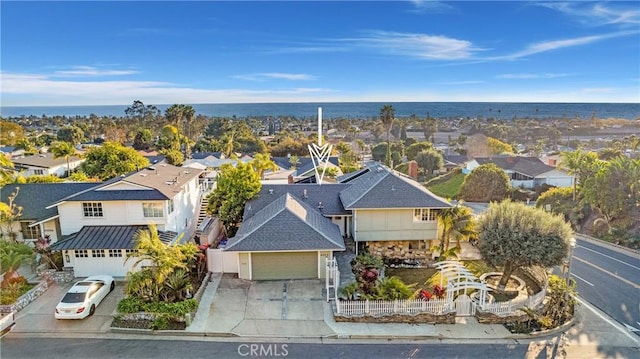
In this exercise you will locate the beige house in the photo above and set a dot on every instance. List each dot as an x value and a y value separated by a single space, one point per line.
290 230
393 215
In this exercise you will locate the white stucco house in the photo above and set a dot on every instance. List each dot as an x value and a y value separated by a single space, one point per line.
525 172
45 164
98 224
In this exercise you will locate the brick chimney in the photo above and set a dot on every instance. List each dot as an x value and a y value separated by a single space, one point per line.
290 179
413 169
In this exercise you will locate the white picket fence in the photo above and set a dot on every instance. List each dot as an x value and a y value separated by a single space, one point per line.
510 306
380 307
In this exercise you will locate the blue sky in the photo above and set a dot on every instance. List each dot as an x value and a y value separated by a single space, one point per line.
109 53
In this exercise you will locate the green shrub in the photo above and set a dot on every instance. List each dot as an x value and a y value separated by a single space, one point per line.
131 305
173 310
161 322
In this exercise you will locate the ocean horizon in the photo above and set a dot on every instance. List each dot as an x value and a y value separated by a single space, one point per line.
364 110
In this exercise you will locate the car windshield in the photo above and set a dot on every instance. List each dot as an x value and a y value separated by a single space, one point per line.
73 298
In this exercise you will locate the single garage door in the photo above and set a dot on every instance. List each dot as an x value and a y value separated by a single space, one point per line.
285 265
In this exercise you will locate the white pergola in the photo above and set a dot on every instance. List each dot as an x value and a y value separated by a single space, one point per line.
459 278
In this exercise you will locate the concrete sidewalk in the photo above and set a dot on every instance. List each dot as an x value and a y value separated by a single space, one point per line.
296 311
238 309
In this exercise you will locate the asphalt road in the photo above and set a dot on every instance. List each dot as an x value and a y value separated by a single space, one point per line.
157 349
609 279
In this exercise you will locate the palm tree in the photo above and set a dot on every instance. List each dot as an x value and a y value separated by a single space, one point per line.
261 162
578 163
178 284
164 258
12 256
387 115
294 161
454 223
63 149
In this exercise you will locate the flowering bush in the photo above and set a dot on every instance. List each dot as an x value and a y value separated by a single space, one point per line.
439 291
425 295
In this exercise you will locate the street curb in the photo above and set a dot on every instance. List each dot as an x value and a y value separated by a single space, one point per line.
545 333
600 241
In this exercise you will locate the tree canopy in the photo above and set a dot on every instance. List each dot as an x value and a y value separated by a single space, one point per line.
513 235
236 186
486 183
112 159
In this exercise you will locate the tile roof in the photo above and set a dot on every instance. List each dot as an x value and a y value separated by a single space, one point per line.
287 224
328 194
35 197
384 188
106 237
44 160
530 166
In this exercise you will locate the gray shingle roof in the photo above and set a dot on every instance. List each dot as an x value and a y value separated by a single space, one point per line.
348 177
160 178
384 188
530 166
304 163
35 197
44 160
106 237
121 195
328 194
287 224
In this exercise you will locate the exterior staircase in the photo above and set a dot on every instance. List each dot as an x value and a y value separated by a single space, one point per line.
203 209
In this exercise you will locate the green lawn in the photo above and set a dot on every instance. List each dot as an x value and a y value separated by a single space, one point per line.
450 188
412 275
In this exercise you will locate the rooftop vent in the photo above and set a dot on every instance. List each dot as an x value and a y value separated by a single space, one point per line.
379 169
304 193
151 168
143 174
270 190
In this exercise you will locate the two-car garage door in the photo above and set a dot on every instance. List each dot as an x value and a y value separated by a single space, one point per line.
284 265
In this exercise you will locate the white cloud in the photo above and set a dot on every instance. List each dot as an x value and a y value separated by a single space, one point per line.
275 75
423 46
92 71
429 6
41 90
597 14
560 44
526 76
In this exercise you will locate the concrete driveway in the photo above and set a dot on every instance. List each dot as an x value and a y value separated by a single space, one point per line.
283 308
38 316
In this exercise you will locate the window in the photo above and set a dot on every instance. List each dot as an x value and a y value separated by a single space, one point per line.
424 215
115 253
170 206
97 253
153 210
92 209
81 253
129 252
38 172
417 245
30 232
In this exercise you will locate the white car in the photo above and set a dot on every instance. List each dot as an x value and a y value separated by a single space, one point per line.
81 300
